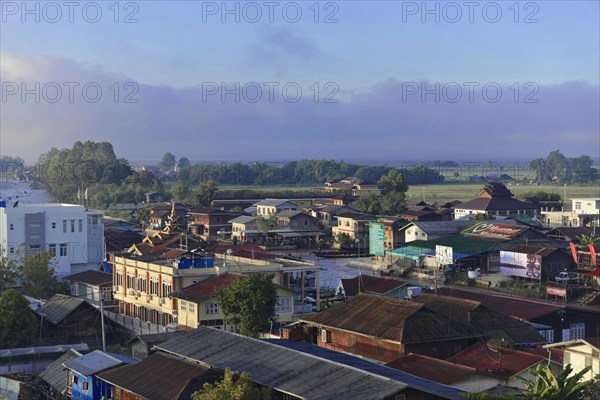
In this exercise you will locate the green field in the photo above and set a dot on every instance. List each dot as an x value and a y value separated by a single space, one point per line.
442 193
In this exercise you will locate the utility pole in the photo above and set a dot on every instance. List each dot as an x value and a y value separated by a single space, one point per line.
102 321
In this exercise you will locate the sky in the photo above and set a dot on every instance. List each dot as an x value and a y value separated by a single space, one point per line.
278 80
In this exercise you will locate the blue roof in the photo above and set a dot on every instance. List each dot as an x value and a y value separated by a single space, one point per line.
415 382
97 361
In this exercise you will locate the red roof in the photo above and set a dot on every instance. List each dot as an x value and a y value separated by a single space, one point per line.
370 284
435 370
204 290
513 306
504 365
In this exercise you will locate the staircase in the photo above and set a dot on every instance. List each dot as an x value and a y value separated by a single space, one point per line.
589 299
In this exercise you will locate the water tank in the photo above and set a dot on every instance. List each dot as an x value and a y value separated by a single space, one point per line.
414 291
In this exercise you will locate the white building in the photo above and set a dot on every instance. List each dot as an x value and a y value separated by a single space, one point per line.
75 236
581 353
584 212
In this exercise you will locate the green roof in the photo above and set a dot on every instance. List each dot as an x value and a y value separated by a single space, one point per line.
460 244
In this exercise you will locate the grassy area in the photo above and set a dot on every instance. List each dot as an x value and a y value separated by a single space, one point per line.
446 192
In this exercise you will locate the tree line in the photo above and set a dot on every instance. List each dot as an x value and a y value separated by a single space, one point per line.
560 169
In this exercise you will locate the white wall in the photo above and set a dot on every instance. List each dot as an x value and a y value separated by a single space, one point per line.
84 247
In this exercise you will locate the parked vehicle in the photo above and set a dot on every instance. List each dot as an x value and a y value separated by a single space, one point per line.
564 277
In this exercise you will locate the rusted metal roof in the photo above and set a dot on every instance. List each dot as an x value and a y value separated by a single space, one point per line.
433 369
389 318
371 284
205 289
503 364
161 376
91 277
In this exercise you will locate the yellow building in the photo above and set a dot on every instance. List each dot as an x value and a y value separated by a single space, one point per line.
143 286
196 306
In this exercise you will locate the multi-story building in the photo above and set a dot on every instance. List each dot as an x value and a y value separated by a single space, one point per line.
585 212
144 285
73 234
355 225
268 207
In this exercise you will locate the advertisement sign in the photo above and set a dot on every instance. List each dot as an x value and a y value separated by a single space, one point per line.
521 264
376 239
592 254
556 291
491 230
443 254
574 252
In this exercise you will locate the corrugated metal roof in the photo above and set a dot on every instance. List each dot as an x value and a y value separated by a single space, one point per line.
59 307
97 361
389 318
285 370
161 376
443 227
433 369
153 338
242 219
371 284
90 277
412 381
55 375
205 289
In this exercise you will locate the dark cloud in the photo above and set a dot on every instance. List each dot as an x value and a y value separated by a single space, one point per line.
386 122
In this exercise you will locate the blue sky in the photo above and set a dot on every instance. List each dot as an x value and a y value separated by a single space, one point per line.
372 54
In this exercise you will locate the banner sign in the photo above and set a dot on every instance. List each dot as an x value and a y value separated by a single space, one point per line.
556 291
593 254
521 264
574 252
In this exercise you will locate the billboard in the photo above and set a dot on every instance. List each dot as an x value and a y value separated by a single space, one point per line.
443 254
376 239
521 264
494 230
556 291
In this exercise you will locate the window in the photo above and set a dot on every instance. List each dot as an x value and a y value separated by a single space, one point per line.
11 250
52 249
64 226
85 386
153 285
577 331
183 305
119 278
35 225
130 280
107 293
588 361
578 205
11 227
80 225
72 226
141 283
137 312
192 308
284 304
166 289
325 336
54 225
63 250
211 308
75 289
35 236
34 247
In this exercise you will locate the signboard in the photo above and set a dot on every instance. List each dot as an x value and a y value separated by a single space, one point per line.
376 239
491 230
443 254
521 264
556 291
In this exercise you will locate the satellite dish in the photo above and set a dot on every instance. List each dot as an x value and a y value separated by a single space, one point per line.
229 252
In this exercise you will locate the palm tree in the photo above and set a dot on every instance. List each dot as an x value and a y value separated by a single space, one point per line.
539 166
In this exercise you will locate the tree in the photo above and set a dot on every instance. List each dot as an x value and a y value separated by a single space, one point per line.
546 386
9 270
265 223
233 389
393 182
343 239
204 194
591 390
183 162
369 203
38 273
167 163
393 203
586 240
180 190
547 199
540 168
18 325
249 303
